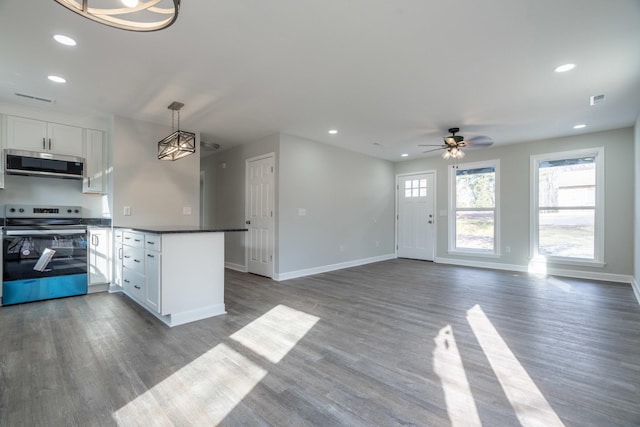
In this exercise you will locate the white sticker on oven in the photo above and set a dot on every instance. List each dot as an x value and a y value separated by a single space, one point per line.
44 259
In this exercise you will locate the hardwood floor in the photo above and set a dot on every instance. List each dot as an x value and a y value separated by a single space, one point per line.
399 342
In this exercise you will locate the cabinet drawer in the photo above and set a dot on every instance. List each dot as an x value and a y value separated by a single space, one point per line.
133 258
152 242
133 284
118 236
132 238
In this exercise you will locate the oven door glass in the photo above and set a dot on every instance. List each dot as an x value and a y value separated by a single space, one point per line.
38 254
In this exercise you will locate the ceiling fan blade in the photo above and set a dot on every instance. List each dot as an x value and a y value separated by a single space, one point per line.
431 145
434 149
479 141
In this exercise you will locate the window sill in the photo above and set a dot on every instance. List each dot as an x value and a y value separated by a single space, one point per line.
568 261
474 254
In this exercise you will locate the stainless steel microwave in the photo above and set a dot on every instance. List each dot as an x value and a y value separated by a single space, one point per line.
31 163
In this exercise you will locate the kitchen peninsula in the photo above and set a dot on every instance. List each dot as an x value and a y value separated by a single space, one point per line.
175 272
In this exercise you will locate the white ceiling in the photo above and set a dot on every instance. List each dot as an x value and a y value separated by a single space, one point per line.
394 73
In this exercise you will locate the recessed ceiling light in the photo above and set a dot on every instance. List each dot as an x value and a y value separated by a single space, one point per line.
564 68
580 126
56 79
65 40
333 131
404 155
130 3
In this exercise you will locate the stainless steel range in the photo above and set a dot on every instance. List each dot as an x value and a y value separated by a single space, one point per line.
44 253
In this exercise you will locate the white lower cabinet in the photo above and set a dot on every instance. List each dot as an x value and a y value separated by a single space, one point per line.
152 273
141 269
99 252
118 258
177 276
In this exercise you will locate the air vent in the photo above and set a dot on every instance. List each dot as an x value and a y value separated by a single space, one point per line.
35 98
596 99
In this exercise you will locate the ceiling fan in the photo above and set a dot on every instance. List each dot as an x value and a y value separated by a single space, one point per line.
453 144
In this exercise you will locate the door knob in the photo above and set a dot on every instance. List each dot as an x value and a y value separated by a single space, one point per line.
430 222
247 222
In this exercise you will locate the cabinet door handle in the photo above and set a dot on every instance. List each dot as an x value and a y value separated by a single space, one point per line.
49 143
151 256
44 143
126 281
136 240
89 182
127 256
136 260
119 253
136 286
127 238
151 243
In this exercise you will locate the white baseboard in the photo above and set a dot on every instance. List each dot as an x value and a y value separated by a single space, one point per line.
331 267
578 274
97 288
636 289
238 267
183 317
114 289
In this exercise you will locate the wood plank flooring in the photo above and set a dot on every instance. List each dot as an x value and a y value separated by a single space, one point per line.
395 343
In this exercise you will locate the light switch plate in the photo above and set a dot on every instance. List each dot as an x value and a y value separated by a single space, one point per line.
186 210
127 211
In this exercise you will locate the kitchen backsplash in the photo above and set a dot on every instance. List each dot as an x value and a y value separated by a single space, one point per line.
52 191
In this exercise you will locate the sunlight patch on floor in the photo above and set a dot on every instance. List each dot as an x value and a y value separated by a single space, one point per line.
206 390
530 406
201 393
560 284
275 333
447 364
538 266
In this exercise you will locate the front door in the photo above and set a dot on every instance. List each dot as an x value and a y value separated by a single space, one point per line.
259 214
416 216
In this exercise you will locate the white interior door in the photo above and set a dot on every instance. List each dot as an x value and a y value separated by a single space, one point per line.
416 216
259 214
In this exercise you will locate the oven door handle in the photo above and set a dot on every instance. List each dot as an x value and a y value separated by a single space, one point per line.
44 232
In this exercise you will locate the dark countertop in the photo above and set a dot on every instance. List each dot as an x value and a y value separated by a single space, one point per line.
98 222
165 229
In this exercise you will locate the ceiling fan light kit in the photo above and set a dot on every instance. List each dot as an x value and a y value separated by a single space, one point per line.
453 145
131 15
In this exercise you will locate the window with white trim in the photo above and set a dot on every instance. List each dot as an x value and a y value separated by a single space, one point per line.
473 214
567 206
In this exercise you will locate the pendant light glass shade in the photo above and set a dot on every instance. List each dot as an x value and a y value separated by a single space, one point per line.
143 15
180 143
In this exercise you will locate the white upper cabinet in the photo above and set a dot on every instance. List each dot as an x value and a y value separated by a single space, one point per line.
37 135
94 177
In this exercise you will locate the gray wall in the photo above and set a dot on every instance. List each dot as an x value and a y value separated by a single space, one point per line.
348 198
515 183
636 225
225 191
157 191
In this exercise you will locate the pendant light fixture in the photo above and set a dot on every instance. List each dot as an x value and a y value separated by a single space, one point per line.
180 143
132 15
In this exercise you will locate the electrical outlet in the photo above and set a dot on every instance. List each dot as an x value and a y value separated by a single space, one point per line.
507 249
127 211
186 210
